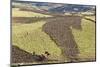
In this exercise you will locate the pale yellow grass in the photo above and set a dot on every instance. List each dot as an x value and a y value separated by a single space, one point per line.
17 13
86 39
90 17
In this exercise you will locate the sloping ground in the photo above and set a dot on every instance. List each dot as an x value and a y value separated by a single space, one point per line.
90 18
30 19
45 12
20 56
86 40
17 13
25 19
60 31
30 37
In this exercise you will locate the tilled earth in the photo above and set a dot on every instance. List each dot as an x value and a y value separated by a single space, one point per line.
20 56
59 29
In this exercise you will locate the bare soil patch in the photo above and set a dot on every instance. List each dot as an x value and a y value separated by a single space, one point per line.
59 29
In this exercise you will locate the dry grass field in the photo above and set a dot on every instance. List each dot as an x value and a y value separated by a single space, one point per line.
31 38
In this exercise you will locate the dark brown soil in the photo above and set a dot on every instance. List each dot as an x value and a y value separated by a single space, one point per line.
20 56
25 19
59 29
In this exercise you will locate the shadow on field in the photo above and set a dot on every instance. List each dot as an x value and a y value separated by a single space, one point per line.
59 30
